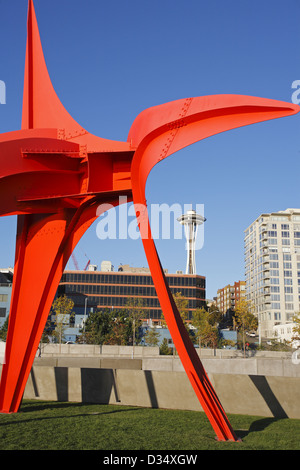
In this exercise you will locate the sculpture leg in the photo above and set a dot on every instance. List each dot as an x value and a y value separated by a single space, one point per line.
44 245
186 350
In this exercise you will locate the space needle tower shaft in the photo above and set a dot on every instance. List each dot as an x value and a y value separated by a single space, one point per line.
191 220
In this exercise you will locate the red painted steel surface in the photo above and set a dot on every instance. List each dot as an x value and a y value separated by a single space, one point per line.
55 174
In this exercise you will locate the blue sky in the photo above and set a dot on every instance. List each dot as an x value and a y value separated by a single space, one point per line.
110 60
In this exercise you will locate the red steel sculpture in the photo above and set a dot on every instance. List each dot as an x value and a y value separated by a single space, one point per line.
54 176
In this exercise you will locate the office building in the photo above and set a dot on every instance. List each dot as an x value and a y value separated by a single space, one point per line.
272 268
6 279
228 296
92 290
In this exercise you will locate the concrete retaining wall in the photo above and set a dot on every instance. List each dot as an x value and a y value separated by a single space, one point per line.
90 350
260 385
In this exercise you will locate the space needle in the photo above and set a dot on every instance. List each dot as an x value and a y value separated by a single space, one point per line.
191 220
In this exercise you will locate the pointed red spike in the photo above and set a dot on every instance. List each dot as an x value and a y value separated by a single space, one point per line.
41 105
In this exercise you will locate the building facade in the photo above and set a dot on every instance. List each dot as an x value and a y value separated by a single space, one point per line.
6 279
272 268
92 290
285 333
228 296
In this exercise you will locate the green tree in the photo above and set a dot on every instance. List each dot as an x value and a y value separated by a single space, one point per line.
206 332
182 306
98 327
135 307
3 330
164 348
121 329
215 316
108 327
63 311
152 337
245 320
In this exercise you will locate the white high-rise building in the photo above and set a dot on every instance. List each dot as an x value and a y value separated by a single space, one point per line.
272 268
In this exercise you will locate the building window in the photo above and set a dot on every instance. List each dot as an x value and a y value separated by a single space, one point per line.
275 305
275 289
289 298
289 306
2 312
3 297
276 297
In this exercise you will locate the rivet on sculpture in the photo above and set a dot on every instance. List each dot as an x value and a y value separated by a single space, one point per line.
55 174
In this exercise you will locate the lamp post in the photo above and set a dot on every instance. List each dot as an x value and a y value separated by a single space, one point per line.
85 304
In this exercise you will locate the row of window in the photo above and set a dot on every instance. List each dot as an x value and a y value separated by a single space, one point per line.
286 273
287 297
276 305
287 289
284 234
126 290
276 316
286 265
91 278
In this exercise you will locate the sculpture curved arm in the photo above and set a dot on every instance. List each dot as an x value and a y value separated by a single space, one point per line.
158 132
162 130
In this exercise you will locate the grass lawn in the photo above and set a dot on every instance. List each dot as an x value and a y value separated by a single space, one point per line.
74 426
